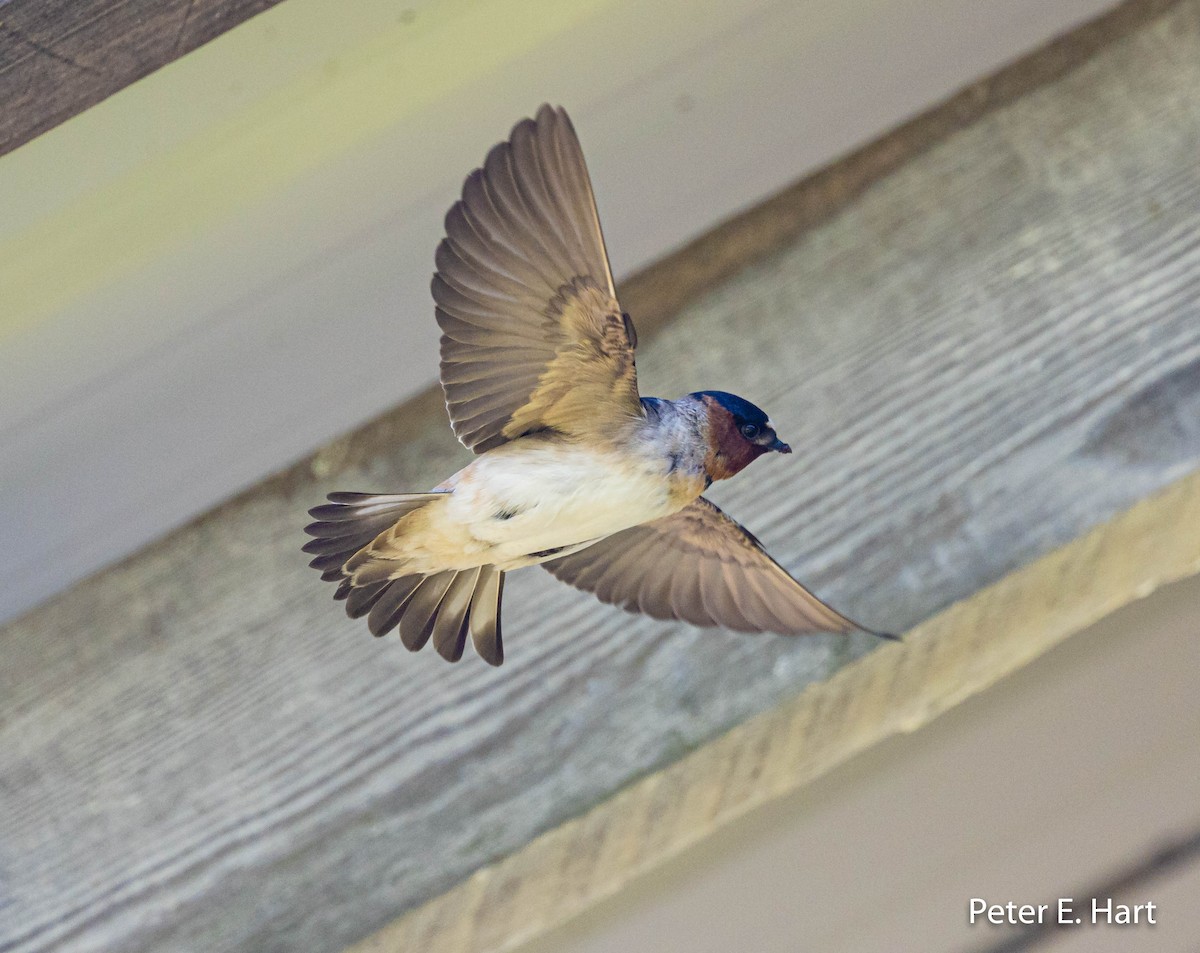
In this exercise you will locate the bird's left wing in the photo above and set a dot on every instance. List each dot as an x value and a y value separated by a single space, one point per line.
700 566
532 335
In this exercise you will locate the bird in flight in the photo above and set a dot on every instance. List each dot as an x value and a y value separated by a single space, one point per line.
575 470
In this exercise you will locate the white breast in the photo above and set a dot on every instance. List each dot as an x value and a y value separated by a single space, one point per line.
531 497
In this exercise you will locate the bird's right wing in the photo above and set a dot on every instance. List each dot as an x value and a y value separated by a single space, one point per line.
532 335
700 566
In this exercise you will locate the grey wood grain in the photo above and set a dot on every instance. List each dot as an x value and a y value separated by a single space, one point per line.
58 57
987 352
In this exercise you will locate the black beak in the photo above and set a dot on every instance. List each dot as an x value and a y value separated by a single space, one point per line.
779 446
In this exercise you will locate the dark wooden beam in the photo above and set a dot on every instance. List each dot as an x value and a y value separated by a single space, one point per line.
58 57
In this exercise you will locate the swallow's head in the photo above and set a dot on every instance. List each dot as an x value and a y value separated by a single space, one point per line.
738 433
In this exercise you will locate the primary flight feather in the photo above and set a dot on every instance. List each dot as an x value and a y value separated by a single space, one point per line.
575 470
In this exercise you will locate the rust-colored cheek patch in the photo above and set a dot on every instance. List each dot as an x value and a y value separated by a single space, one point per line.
728 451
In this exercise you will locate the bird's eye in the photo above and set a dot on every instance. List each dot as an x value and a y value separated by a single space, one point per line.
750 431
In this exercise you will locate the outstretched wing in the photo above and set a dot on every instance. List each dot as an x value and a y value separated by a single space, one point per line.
700 566
532 334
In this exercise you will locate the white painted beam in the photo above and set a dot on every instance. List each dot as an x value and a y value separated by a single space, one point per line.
226 264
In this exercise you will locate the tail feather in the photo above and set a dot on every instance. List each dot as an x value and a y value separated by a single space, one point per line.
359 600
452 622
445 607
485 615
350 521
419 616
390 604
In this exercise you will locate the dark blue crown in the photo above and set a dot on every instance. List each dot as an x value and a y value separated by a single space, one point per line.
743 411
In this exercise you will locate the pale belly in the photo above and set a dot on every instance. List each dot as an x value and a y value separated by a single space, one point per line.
521 505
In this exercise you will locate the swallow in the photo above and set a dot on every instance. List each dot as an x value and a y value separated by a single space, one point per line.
575 472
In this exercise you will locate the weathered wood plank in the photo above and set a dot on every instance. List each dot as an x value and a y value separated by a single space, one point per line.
722 252
896 689
985 354
58 57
